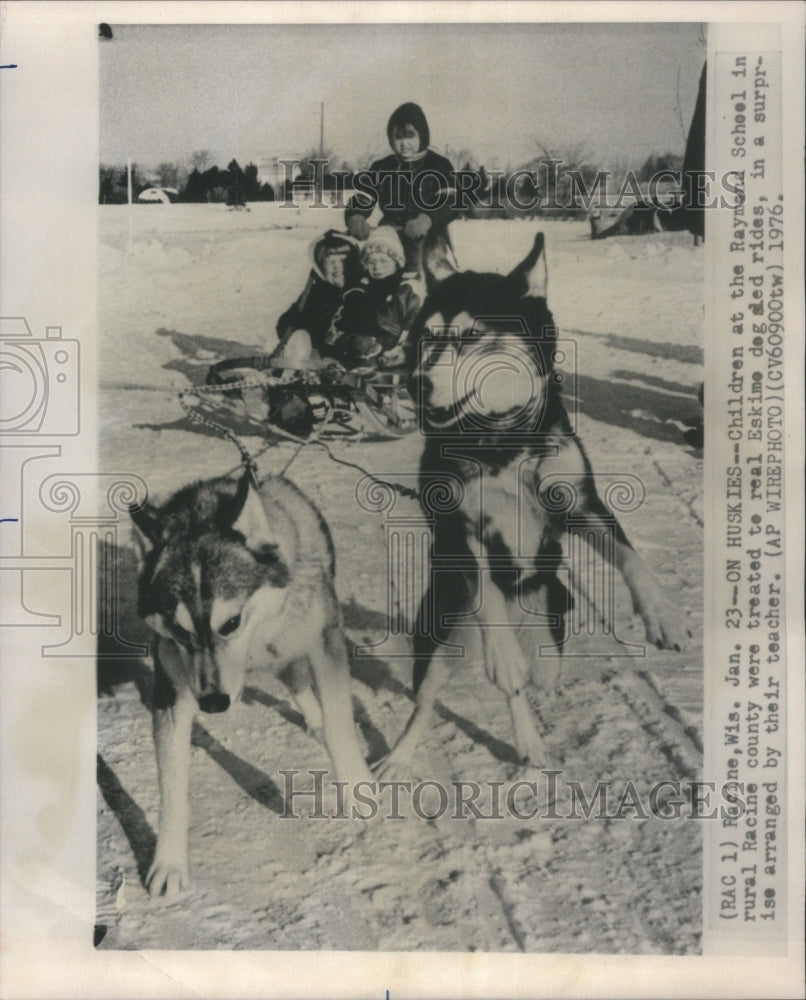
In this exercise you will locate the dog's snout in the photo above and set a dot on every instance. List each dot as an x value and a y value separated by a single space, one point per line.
214 702
420 386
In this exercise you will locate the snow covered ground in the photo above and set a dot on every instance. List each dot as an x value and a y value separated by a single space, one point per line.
181 286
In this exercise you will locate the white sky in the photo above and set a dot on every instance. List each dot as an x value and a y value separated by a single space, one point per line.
254 92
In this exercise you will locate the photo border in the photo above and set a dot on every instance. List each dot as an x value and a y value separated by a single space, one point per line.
47 723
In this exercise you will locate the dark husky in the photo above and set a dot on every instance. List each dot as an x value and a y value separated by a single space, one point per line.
235 576
499 440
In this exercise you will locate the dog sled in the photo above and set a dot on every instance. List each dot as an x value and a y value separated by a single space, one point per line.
262 396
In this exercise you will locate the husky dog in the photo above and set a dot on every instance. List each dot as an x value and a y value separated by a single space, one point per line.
235 576
499 440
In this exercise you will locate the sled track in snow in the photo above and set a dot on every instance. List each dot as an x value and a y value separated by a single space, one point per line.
546 884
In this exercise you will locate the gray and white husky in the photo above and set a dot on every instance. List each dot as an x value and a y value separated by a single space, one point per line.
236 576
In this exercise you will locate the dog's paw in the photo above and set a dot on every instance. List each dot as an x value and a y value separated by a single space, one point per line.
362 798
529 743
664 631
167 879
363 777
530 747
389 768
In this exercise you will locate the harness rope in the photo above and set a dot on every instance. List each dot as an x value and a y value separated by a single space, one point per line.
249 461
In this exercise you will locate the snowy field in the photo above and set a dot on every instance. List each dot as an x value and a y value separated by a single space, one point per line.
180 287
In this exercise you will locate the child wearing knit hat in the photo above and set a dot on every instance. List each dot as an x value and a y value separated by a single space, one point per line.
381 250
373 323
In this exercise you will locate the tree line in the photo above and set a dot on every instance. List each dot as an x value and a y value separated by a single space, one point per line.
198 182
234 186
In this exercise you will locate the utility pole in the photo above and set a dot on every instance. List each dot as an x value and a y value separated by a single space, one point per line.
321 130
129 198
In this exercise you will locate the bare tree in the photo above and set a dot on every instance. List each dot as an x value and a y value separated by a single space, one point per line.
463 158
546 153
168 174
678 113
199 160
564 174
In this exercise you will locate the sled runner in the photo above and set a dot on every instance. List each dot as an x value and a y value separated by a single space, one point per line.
264 397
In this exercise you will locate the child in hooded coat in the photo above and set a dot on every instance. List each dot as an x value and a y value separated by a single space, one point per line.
371 327
414 208
303 327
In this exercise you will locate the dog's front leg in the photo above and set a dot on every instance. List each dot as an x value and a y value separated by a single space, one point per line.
395 766
299 678
331 672
172 723
449 594
506 666
661 620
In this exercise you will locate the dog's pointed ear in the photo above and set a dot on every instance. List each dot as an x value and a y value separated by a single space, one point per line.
148 526
147 532
249 516
252 523
438 261
531 277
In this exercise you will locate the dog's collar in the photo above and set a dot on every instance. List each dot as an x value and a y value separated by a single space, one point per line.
517 417
456 411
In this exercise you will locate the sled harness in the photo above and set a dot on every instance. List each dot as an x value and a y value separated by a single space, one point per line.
305 406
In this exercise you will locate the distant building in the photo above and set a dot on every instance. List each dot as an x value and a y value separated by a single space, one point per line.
271 171
158 196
